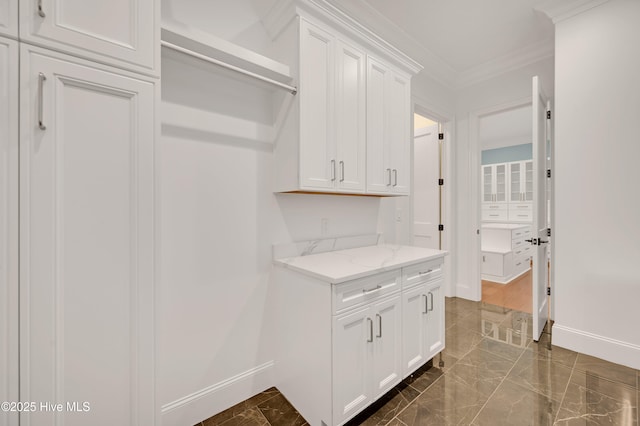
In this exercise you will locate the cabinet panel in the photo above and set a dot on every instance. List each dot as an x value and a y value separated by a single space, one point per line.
86 234
352 351
350 118
399 139
8 227
387 362
378 169
318 165
119 32
9 18
414 307
435 319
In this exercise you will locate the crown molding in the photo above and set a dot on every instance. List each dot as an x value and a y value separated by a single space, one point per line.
506 63
559 10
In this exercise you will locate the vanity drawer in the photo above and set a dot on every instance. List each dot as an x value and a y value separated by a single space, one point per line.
364 290
494 214
421 272
522 232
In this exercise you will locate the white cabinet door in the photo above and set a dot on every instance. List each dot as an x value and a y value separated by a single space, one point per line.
388 129
414 309
124 33
398 111
86 235
378 168
350 110
387 348
495 184
353 340
318 164
8 227
9 18
520 181
435 319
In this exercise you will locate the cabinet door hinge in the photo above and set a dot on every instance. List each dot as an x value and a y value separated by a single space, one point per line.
548 291
548 173
440 136
440 182
440 227
548 232
549 115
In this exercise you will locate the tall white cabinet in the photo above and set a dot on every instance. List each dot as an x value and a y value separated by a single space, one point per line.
8 227
507 192
86 308
79 157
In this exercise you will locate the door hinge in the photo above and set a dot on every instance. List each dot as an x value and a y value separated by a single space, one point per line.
440 227
440 136
548 232
548 115
548 173
440 182
548 291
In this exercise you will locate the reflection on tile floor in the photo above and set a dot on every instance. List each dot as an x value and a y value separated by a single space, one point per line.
491 373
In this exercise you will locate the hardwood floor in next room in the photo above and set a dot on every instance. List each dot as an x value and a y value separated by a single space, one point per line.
514 295
491 373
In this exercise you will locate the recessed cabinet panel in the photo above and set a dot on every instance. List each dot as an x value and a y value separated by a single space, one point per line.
318 165
86 190
387 348
352 357
350 118
399 139
119 32
9 18
378 172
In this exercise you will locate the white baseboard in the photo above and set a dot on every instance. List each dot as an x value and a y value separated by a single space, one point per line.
587 343
213 399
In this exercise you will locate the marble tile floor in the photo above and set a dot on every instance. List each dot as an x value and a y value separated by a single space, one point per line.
491 373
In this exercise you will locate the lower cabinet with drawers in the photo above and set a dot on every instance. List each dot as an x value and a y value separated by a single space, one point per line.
341 346
505 251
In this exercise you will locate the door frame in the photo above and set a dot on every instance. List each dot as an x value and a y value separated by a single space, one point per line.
423 107
475 160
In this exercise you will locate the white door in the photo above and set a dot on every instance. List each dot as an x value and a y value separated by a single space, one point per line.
318 164
435 319
414 309
426 206
539 238
387 348
119 32
8 227
350 110
86 242
353 339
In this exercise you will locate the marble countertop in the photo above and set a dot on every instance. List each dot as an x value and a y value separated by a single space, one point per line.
344 265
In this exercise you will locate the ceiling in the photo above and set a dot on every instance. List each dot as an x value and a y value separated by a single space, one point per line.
459 42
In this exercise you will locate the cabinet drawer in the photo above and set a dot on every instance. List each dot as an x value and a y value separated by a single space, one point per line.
520 216
494 206
518 243
364 290
421 272
521 233
494 214
520 207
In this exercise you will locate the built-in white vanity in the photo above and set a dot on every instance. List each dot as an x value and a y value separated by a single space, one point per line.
352 323
505 253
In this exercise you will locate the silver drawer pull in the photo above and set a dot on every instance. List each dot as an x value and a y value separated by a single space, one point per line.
431 297
40 10
426 304
379 326
371 290
41 79
428 271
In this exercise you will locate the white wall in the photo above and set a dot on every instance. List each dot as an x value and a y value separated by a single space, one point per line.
503 91
219 219
597 175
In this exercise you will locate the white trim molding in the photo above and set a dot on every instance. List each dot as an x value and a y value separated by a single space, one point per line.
213 399
559 10
608 349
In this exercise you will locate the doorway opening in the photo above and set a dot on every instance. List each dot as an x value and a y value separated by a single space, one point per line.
507 198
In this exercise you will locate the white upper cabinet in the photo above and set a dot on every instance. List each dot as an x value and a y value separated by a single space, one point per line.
124 33
494 183
388 129
521 181
9 18
348 128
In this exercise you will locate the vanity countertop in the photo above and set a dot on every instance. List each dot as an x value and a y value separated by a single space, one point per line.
344 265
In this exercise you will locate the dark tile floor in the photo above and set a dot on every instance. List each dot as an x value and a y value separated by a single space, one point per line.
491 373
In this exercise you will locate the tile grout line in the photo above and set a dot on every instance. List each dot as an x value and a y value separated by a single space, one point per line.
497 387
566 388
